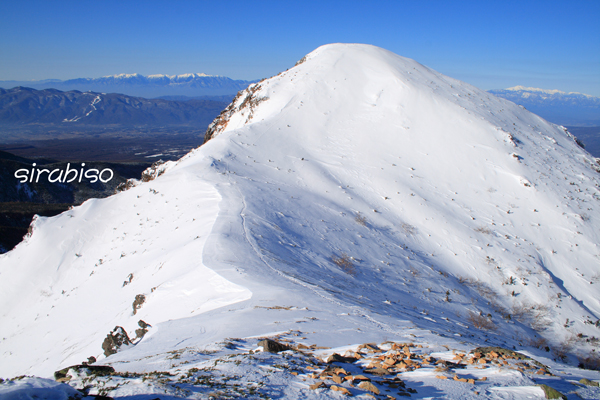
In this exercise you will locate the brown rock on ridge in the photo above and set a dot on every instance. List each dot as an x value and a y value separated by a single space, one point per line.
368 386
335 357
340 389
317 385
272 346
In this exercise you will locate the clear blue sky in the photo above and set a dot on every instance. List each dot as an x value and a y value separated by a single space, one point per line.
491 44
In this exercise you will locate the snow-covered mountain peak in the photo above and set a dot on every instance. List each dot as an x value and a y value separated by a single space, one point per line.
532 89
357 192
356 75
124 76
158 77
181 76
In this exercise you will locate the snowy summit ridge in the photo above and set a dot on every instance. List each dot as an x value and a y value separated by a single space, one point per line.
356 197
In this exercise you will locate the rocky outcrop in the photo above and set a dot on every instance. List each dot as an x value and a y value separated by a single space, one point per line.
272 346
244 102
115 340
97 370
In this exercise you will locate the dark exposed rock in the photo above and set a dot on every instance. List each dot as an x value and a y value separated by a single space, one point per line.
272 346
245 101
137 303
139 333
378 371
153 171
335 357
552 393
98 370
89 361
115 340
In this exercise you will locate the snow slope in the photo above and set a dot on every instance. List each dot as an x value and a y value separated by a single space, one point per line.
358 196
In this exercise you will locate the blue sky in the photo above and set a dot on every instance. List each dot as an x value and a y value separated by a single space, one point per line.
491 44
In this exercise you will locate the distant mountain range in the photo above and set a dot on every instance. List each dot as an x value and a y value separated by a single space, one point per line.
572 109
28 114
145 86
26 105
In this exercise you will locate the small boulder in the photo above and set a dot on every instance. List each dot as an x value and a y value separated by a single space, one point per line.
377 371
357 378
139 333
552 393
143 324
272 346
317 385
365 385
587 382
335 357
89 361
341 389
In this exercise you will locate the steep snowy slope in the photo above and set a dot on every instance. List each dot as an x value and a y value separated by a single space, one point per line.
466 183
358 196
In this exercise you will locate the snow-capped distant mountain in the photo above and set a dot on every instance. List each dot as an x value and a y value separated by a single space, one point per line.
545 92
144 86
356 197
571 109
